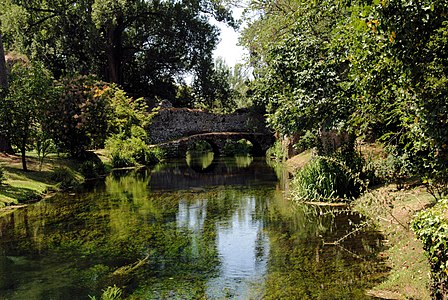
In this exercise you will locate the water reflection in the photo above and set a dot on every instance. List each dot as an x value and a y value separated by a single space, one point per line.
199 161
145 232
233 171
243 249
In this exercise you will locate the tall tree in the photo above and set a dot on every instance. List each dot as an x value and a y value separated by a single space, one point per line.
5 144
29 88
299 72
145 46
3 71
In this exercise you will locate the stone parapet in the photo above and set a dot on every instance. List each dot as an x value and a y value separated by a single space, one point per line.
174 123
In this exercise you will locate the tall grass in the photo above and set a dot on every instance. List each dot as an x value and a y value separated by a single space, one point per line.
328 179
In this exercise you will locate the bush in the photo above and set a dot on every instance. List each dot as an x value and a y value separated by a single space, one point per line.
80 115
131 151
200 146
276 152
237 147
329 179
431 227
307 141
65 178
92 169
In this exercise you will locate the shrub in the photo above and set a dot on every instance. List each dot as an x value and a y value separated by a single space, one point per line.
80 114
92 169
200 146
131 151
237 147
307 141
276 152
328 179
431 227
65 178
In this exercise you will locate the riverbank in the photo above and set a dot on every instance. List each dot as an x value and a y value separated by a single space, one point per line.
391 210
21 188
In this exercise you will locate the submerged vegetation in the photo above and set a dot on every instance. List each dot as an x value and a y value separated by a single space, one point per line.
156 241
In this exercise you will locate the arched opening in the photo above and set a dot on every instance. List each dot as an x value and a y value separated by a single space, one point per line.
257 149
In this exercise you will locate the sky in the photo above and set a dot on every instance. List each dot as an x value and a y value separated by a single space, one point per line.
227 48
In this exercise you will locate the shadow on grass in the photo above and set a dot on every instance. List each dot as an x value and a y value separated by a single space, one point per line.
23 195
39 176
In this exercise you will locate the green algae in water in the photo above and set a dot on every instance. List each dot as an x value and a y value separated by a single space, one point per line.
224 232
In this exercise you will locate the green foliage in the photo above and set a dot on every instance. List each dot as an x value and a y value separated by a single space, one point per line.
394 168
232 148
200 146
128 152
330 179
301 81
431 227
374 69
145 46
214 88
92 169
87 111
81 114
276 152
23 110
307 141
44 146
131 116
65 178
110 293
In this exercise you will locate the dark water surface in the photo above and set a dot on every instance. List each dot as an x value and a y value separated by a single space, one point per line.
201 228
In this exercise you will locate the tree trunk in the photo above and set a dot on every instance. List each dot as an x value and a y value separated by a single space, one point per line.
5 144
24 167
23 151
3 71
114 53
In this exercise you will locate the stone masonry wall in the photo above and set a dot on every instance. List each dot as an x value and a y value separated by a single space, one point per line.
174 123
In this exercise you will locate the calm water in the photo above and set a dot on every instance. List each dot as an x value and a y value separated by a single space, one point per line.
201 228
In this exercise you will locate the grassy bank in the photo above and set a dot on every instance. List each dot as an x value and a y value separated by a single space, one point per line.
22 187
392 211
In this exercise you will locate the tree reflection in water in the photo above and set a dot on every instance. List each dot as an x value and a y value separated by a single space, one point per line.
226 233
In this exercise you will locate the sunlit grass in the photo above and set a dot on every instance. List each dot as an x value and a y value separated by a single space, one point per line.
22 187
393 210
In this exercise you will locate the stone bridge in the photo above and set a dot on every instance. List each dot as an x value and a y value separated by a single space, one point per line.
176 129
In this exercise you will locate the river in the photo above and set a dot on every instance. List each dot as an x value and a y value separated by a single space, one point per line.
199 228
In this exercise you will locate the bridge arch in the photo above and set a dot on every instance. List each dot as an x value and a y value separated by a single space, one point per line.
178 148
173 129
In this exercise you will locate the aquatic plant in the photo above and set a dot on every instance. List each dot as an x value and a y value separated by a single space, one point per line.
110 293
